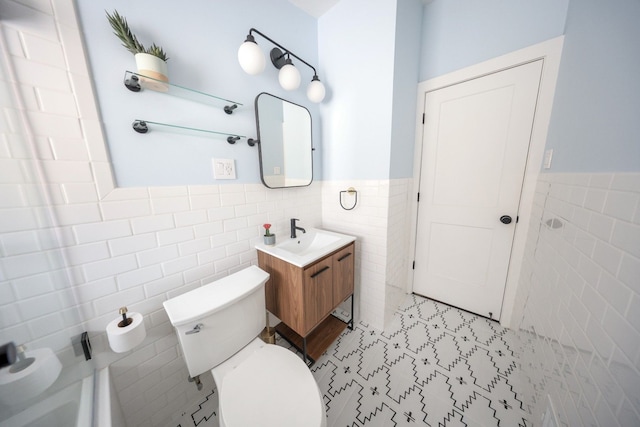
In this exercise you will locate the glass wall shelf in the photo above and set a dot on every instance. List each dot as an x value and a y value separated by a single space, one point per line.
143 126
136 81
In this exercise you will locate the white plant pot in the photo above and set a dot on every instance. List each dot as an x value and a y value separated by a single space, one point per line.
154 67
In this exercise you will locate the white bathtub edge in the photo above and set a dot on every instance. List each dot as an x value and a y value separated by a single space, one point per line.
108 412
86 402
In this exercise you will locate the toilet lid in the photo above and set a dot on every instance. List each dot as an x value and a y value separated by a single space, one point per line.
273 387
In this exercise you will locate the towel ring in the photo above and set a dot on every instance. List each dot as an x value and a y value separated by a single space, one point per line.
349 190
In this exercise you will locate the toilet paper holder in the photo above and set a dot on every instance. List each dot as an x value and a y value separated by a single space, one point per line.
22 362
126 332
126 321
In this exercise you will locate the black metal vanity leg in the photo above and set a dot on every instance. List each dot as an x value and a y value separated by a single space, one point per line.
350 324
304 349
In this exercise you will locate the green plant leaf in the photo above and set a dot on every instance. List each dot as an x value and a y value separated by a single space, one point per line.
129 40
156 50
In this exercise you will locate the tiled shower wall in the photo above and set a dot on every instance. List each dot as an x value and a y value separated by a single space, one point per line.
70 262
580 287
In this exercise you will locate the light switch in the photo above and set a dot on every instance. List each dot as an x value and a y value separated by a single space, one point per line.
224 169
548 155
276 170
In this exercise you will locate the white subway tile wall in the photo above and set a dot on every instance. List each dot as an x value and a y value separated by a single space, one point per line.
398 238
381 247
580 287
364 222
74 250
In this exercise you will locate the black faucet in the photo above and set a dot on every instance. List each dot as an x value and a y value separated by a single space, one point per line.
294 227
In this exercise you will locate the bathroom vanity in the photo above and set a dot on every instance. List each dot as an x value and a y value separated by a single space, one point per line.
310 277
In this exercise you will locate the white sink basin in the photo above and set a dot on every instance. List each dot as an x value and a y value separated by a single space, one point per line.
307 247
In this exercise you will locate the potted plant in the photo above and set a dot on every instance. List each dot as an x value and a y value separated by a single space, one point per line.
269 239
151 61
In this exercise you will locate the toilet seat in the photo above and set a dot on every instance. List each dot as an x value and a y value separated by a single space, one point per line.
270 387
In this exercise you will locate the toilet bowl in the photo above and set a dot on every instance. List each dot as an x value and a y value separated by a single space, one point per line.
267 385
258 384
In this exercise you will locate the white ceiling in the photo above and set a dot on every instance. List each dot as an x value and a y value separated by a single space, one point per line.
315 7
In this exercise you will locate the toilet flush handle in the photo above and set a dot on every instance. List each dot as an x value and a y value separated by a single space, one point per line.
195 329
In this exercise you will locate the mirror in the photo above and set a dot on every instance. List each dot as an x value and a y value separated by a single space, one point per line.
284 132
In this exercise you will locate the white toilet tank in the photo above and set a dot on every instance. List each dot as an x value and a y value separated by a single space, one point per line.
216 320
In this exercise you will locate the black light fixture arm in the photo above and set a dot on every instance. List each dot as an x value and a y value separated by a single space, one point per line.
285 52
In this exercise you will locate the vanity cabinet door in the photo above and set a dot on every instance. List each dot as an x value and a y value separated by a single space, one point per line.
343 274
318 292
284 290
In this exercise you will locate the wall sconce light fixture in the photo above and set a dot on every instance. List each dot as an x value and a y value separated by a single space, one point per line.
253 62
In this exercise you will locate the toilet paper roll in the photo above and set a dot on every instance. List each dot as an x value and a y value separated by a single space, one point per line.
29 377
122 339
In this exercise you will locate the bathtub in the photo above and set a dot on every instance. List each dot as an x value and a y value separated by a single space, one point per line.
85 403
107 412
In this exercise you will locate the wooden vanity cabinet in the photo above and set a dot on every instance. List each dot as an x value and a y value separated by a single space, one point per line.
304 298
343 274
317 293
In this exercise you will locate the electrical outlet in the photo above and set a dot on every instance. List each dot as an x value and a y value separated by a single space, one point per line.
224 169
548 155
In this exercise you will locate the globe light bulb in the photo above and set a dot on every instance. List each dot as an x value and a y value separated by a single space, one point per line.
250 57
315 90
289 76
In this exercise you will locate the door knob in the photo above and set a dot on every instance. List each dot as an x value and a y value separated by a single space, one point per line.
505 219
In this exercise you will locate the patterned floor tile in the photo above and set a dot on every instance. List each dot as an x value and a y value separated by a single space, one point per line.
343 406
411 411
402 378
435 365
478 411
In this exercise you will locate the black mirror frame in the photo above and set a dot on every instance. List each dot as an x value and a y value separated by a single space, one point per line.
259 140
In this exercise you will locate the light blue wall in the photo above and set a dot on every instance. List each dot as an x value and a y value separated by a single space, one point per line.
364 129
595 124
405 86
369 118
357 46
460 33
202 39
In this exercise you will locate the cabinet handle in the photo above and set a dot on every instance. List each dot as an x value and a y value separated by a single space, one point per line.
322 270
344 257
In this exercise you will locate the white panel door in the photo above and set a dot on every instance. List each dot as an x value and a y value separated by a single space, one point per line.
475 144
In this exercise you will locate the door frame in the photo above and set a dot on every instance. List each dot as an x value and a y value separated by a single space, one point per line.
550 52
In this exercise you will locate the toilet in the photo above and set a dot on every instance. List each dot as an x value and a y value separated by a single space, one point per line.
258 384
